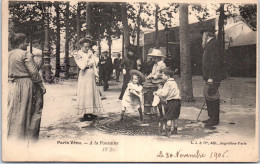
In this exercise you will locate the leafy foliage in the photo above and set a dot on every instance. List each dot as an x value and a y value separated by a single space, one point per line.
201 12
165 14
105 20
27 18
248 13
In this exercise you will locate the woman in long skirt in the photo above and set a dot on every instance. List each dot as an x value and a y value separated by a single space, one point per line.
25 85
88 97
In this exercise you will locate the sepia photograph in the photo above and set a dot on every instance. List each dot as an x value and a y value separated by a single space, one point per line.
130 81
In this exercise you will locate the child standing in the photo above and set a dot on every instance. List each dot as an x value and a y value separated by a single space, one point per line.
133 96
171 94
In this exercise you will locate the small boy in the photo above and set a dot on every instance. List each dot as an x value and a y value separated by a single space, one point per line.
171 94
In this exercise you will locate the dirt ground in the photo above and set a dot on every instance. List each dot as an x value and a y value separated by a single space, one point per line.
237 117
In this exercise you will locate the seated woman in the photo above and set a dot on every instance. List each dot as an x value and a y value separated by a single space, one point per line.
158 66
156 74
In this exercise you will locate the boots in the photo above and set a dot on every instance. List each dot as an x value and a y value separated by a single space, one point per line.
213 112
160 126
154 110
168 131
163 129
160 109
141 114
122 115
175 131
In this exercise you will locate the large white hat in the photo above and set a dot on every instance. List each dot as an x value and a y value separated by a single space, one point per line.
156 52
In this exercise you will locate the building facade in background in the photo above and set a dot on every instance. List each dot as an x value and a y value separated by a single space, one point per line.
240 46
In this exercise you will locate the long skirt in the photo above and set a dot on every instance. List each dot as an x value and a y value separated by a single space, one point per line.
25 103
88 97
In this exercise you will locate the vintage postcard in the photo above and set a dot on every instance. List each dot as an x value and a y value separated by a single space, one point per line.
130 81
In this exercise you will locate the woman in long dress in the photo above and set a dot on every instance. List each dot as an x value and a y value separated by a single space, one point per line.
25 92
88 97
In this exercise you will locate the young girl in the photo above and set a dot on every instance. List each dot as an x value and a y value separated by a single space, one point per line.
171 94
133 96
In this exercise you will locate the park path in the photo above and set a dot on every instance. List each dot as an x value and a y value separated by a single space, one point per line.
64 138
237 116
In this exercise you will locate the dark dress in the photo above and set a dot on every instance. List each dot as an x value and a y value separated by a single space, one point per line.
127 64
117 67
105 67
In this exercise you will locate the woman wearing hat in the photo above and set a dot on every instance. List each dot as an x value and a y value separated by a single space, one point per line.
25 92
133 96
88 101
159 64
156 75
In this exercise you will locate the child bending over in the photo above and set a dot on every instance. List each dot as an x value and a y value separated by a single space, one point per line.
133 96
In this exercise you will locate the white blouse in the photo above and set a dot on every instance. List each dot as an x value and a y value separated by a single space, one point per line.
84 60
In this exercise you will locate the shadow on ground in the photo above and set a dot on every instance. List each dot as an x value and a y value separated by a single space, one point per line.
132 126
72 127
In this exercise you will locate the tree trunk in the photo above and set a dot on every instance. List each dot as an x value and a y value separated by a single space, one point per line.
89 18
156 38
125 27
30 38
31 46
78 26
186 73
167 46
46 68
67 40
138 31
99 47
31 49
57 9
78 33
123 48
109 42
221 26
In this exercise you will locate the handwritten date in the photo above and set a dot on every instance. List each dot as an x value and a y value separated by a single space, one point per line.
198 154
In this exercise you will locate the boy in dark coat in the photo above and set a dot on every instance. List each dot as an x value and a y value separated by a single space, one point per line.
117 66
105 65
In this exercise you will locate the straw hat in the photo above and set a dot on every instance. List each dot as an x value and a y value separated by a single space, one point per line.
87 39
156 53
138 73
